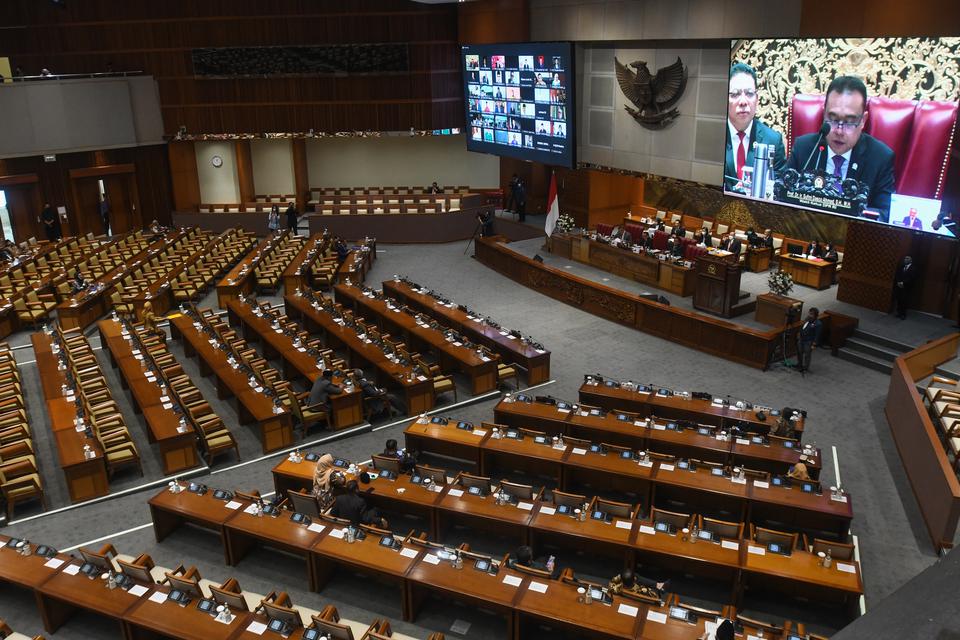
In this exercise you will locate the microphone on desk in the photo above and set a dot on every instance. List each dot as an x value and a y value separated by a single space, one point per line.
824 130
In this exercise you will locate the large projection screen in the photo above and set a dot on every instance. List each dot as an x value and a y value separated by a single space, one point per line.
856 127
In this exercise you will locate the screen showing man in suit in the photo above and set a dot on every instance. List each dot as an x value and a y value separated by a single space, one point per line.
744 129
845 126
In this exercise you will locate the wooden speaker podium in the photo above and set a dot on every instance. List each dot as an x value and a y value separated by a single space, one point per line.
718 286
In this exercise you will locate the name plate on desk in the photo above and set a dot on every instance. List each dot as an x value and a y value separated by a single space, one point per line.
628 610
656 616
513 581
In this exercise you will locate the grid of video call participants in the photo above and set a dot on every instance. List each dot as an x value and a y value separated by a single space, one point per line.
518 100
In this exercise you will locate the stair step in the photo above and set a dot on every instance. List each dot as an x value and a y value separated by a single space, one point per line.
949 369
887 343
870 348
865 360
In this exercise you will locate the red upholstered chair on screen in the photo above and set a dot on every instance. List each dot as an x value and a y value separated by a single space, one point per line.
920 134
660 240
604 229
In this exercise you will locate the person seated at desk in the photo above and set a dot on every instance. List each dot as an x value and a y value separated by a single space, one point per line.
829 253
407 460
813 250
768 238
325 478
620 235
799 472
679 231
322 388
706 238
78 284
731 243
698 238
381 400
150 323
675 247
659 225
9 251
725 631
351 506
341 248
629 582
434 188
523 557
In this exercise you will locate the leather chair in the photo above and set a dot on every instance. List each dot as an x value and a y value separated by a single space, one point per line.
604 229
920 134
635 231
660 239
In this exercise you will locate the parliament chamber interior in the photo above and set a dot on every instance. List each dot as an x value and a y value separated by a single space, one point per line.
481 319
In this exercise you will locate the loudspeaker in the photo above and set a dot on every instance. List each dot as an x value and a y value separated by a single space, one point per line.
537 258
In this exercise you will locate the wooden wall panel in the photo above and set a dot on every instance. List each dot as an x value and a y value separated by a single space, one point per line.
184 179
871 255
245 171
489 21
824 18
301 176
89 36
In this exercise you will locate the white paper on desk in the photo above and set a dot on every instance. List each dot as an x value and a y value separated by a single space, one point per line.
526 506
650 531
578 451
456 493
257 628
302 349
563 410
137 590
627 610
666 467
640 423
479 432
337 533
158 596
761 484
742 441
407 552
167 405
53 563
656 616
760 551
624 524
503 333
432 559
233 504
485 358
513 581
150 377
736 480
164 398
421 378
458 344
548 511
839 499
316 528
258 389
539 350
848 568
659 427
645 463
730 544
539 587
252 509
509 337
72 570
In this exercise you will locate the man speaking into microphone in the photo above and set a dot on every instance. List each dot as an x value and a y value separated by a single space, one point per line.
845 151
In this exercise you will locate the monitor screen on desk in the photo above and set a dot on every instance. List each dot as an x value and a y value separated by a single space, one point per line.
519 100
855 127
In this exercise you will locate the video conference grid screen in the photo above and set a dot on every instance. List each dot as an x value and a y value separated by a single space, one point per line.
519 101
800 133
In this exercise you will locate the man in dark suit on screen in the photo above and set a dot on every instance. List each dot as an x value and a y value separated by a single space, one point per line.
744 128
848 152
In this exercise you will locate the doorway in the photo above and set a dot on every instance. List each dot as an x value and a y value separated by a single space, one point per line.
6 223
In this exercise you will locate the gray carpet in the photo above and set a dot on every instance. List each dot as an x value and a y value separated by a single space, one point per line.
844 402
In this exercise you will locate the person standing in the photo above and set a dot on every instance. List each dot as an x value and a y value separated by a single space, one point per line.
273 219
521 194
105 214
511 194
808 337
51 223
902 285
292 214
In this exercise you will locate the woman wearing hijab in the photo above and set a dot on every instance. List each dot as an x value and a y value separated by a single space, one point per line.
150 322
799 472
324 479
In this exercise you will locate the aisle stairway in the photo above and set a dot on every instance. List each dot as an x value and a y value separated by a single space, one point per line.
873 351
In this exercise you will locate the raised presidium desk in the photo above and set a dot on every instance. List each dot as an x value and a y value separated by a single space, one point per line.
253 406
481 370
812 272
663 274
699 331
418 390
346 407
85 478
511 349
178 445
419 570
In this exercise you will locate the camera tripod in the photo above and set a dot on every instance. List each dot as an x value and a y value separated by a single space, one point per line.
473 238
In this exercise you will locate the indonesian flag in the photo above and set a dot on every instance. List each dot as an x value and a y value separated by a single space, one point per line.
553 206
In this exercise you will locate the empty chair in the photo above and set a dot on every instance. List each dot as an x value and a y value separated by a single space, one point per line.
728 530
673 518
303 502
141 568
838 550
769 536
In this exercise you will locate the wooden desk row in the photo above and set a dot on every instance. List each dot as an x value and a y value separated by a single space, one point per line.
511 349
452 356
85 478
346 407
361 353
178 445
641 267
613 395
618 428
655 483
140 609
253 406
519 598
84 308
241 281
359 261
295 275
811 272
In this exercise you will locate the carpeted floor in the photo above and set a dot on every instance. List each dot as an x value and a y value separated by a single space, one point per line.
845 418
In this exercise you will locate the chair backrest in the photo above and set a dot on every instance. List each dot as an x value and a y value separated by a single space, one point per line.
188 582
604 229
288 615
519 491
679 520
838 550
729 530
766 536
561 498
618 509
233 599
332 629
138 569
386 463
101 558
468 480
439 475
305 503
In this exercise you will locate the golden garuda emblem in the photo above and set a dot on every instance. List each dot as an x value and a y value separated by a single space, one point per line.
652 95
